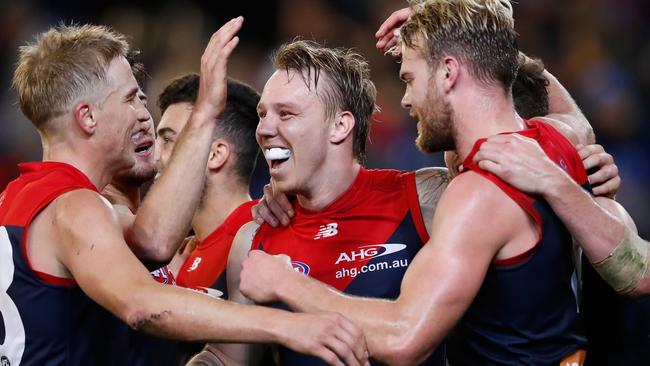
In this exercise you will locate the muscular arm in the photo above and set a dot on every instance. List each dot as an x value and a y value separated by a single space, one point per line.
565 115
164 217
599 227
437 288
607 225
105 269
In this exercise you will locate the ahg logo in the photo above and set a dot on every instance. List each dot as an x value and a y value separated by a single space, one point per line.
370 251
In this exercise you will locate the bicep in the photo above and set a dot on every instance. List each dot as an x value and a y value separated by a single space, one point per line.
448 271
92 248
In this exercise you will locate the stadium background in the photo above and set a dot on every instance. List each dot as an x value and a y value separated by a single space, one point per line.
599 49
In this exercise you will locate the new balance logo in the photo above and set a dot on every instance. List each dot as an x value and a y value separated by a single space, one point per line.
325 231
195 264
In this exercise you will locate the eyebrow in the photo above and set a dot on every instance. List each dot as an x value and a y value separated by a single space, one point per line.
166 131
132 92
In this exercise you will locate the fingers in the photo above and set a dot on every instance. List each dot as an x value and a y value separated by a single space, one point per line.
393 21
386 37
609 188
492 167
262 214
345 340
585 151
353 336
603 174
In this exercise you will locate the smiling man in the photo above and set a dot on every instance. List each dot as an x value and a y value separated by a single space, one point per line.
355 229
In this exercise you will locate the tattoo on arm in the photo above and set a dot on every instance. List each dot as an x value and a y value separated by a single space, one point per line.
431 183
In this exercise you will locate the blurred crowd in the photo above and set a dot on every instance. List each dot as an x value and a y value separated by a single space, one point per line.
598 49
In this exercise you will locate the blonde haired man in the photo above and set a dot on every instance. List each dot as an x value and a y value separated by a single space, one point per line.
69 282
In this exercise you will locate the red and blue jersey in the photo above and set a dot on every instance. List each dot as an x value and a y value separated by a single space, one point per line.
44 319
525 312
205 267
361 244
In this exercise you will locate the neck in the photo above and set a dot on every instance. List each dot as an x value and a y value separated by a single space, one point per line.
481 113
119 193
329 185
98 170
221 198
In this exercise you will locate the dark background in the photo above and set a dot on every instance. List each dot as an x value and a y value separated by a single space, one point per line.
599 49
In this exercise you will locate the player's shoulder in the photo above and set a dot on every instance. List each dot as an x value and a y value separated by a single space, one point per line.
432 178
474 194
81 206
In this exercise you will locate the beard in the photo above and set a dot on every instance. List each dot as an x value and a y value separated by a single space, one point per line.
136 176
436 130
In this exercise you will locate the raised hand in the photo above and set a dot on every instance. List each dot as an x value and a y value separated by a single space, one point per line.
387 34
211 98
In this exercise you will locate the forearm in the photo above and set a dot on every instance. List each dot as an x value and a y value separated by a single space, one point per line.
563 108
164 217
382 321
596 229
177 313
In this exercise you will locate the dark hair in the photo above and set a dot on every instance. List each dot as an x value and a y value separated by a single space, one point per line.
137 67
529 89
349 87
236 124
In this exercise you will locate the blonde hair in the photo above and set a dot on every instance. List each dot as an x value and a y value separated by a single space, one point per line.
64 64
479 32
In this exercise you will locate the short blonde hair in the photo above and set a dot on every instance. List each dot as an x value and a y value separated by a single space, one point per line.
479 32
64 64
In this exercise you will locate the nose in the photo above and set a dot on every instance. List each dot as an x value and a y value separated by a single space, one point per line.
267 127
406 100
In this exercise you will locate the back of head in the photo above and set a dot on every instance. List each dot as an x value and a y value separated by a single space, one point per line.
480 33
66 64
347 88
529 91
236 124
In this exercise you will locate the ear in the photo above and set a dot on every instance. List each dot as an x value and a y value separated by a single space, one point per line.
219 154
83 117
343 126
451 68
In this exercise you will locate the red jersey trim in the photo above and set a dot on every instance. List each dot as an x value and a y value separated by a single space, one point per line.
84 184
410 186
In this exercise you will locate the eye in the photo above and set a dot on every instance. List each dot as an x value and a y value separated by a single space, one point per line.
286 114
261 114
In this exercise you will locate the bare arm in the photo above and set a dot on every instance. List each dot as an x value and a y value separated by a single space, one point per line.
164 217
565 115
599 228
437 288
173 312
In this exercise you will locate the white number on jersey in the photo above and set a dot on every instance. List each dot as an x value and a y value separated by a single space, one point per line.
13 344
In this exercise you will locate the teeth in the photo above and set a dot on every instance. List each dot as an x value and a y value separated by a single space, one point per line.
277 153
136 136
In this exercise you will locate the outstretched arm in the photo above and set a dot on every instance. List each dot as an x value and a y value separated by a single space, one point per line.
437 288
164 217
602 230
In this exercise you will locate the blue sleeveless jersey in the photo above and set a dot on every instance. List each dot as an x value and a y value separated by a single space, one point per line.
46 320
360 244
617 327
525 312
